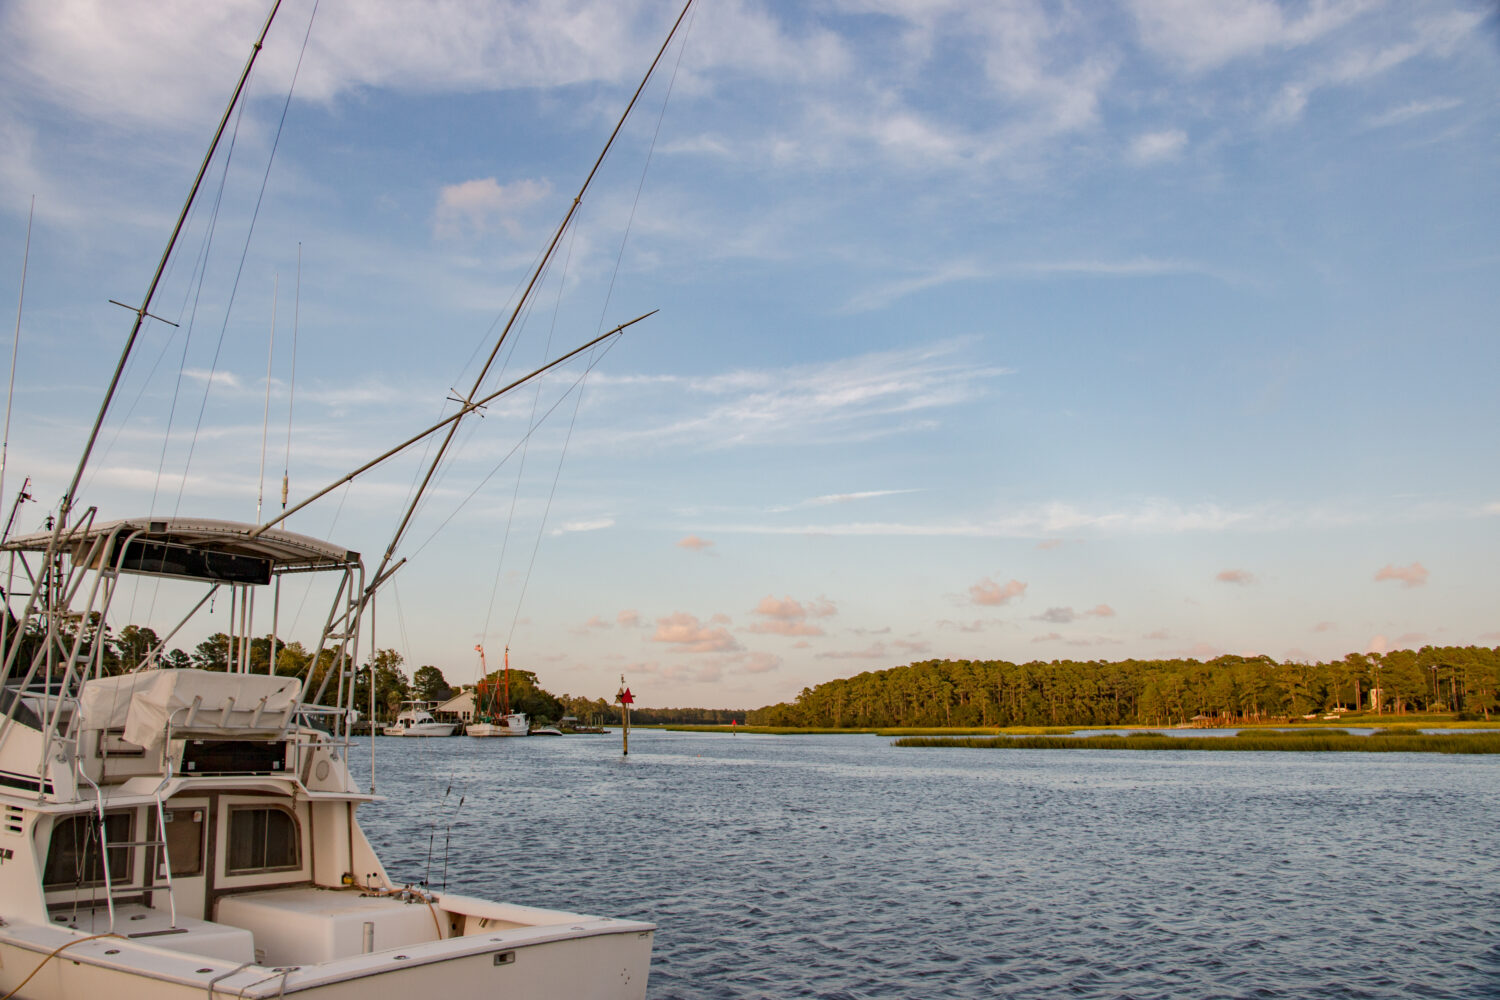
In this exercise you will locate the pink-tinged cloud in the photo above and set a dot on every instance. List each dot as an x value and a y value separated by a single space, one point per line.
1204 651
694 544
977 625
1491 636
1378 644
1236 576
1160 633
784 628
1101 611
1049 637
690 635
911 646
802 644
1409 640
1050 543
1414 575
991 594
597 622
629 618
789 616
875 652
1057 616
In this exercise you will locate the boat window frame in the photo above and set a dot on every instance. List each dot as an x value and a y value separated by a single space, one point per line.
235 808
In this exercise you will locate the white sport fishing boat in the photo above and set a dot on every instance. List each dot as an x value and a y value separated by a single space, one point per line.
186 833
415 719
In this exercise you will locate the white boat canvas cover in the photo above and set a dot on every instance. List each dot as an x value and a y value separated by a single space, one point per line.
196 702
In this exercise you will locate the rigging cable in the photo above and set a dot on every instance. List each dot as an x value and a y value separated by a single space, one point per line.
244 253
536 399
506 457
578 402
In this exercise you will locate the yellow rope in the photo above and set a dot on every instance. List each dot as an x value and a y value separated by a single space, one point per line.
55 952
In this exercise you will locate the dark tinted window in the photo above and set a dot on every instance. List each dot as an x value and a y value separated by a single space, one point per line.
73 857
262 839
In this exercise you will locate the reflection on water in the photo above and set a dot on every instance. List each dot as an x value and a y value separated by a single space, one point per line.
842 867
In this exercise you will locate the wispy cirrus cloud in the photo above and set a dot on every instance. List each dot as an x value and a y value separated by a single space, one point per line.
831 499
855 399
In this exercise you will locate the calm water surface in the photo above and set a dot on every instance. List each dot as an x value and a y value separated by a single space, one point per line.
845 868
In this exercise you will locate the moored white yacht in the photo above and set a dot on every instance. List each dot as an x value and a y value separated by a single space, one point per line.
225 807
415 719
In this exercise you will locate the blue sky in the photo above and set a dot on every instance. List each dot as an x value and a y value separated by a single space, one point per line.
1019 330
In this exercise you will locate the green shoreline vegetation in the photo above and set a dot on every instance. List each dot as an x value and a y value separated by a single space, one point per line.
1399 740
1455 683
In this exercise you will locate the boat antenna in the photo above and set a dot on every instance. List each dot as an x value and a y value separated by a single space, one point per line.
144 311
291 395
448 839
14 348
523 302
265 425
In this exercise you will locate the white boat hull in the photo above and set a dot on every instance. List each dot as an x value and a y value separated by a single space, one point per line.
518 966
421 729
514 724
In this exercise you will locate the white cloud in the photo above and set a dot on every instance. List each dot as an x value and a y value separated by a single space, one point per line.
853 399
1201 35
592 524
1156 147
472 208
1412 109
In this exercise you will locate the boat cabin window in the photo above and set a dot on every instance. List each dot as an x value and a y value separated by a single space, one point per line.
73 857
184 828
262 838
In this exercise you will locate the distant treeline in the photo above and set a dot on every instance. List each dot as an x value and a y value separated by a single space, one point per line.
1461 679
609 712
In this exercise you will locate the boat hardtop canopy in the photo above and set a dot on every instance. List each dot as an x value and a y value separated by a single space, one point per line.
282 549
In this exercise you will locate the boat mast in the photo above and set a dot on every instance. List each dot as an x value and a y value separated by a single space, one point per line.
15 348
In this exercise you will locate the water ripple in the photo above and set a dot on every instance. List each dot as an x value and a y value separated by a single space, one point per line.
846 869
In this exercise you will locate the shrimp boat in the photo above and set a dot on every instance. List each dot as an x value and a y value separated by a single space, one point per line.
489 722
173 831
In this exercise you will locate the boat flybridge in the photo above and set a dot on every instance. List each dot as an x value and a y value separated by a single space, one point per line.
176 832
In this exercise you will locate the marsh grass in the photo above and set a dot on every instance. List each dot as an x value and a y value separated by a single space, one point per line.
1405 740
